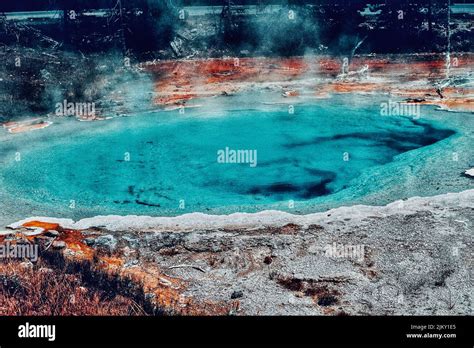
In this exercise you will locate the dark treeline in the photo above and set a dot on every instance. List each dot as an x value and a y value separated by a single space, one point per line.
154 27
41 5
346 27
44 5
141 26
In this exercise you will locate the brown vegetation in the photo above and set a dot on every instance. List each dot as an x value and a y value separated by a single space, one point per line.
145 285
27 289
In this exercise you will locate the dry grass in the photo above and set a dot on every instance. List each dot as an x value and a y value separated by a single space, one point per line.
68 289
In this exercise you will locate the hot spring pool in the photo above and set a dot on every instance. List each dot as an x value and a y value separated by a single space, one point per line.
166 163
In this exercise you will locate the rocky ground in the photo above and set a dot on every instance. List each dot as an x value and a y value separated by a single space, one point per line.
417 78
408 258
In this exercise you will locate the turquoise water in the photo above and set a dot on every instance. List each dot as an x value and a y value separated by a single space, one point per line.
164 163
